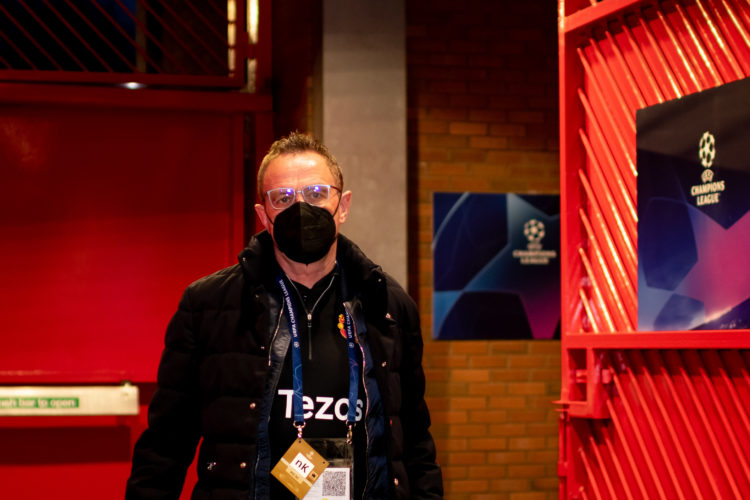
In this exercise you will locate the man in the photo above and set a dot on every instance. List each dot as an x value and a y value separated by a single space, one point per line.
305 339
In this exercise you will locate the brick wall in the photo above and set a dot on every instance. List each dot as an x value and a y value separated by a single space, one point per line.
482 98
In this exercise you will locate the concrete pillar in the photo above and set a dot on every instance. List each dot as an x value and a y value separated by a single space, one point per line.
363 121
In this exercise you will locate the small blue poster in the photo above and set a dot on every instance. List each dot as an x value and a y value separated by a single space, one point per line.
496 266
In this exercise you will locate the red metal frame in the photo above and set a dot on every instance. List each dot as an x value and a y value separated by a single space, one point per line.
643 414
65 65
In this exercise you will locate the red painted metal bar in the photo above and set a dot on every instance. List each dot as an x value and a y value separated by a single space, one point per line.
627 449
221 60
736 362
625 247
745 15
622 300
626 288
17 50
708 63
75 33
662 62
666 419
52 34
194 57
610 446
162 80
589 313
600 460
632 84
731 69
741 52
31 38
642 401
697 78
118 97
597 292
686 422
731 399
207 23
703 339
627 113
707 425
671 50
637 433
590 473
616 179
618 147
100 35
610 9
614 221
147 33
727 424
645 71
599 265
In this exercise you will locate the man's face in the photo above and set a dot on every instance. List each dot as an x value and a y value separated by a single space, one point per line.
297 171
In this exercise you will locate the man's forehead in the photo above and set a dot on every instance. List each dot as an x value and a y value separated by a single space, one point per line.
306 166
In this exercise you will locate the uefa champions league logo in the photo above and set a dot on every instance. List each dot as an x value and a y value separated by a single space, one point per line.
707 149
534 231
708 192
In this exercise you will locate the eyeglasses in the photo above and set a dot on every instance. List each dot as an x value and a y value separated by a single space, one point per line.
314 194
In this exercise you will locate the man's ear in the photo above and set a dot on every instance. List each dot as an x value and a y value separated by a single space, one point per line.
260 210
344 204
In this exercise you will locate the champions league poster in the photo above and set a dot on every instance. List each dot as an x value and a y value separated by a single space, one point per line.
496 266
693 201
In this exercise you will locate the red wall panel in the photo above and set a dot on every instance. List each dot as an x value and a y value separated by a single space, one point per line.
111 203
105 217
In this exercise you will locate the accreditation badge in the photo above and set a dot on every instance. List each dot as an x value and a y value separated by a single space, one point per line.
299 468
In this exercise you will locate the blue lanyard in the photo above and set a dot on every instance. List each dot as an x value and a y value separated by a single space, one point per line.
299 415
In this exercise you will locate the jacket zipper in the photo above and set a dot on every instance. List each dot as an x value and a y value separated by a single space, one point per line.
275 332
367 395
309 313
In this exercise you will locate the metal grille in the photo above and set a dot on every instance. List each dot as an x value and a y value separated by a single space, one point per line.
168 42
678 427
645 414
661 52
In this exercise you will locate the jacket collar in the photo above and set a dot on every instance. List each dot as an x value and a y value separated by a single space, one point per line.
360 275
257 259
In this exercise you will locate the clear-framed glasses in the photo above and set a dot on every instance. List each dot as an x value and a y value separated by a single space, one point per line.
314 194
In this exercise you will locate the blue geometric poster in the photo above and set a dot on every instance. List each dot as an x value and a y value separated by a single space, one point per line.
496 266
694 211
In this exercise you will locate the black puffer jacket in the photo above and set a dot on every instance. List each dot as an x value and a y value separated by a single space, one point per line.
218 371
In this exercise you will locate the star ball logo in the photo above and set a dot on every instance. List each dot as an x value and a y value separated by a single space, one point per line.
707 149
534 232
708 192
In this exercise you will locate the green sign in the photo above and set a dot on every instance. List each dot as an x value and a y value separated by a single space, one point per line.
28 403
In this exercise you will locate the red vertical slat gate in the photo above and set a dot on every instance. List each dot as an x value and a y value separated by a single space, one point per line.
643 414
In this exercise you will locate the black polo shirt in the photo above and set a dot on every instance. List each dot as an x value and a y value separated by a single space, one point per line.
325 378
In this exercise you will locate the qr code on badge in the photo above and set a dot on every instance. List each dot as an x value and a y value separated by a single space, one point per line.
335 483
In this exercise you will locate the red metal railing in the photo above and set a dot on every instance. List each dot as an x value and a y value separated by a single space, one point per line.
155 42
643 414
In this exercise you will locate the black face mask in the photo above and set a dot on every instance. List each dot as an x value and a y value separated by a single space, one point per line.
304 232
